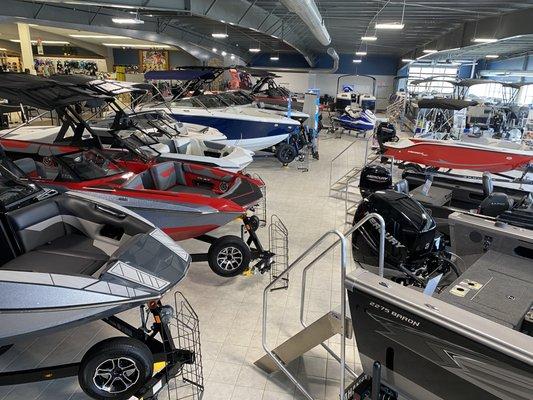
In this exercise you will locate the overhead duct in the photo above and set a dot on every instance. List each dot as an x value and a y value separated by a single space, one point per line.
331 52
308 12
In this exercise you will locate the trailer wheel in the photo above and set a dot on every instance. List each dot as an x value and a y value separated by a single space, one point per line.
285 153
115 368
229 256
412 167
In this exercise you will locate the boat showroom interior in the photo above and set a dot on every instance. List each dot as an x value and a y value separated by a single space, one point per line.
266 200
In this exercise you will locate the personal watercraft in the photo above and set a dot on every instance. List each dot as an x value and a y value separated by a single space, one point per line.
359 120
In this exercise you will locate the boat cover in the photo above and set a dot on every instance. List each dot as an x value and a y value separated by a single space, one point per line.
181 74
41 93
107 87
472 82
446 104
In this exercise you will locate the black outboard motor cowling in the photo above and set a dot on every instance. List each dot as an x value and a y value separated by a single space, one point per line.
374 178
412 243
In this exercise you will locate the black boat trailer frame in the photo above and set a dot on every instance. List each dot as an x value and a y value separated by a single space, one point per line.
163 351
250 225
367 387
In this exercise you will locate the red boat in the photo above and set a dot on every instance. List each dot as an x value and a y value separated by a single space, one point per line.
185 200
456 154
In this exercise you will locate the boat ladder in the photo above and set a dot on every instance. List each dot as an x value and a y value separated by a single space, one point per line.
332 323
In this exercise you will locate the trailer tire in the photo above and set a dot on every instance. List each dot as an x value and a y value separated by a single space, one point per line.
285 153
115 368
229 256
412 167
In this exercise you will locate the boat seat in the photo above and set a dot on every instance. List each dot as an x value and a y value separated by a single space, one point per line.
494 203
51 245
135 183
167 175
31 168
70 254
207 172
190 189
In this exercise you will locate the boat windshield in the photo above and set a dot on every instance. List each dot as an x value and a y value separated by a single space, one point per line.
235 98
158 120
201 101
87 165
13 185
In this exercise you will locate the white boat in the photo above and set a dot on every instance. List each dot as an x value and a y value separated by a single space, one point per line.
244 124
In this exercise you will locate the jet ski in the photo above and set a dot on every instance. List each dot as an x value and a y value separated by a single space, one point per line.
359 120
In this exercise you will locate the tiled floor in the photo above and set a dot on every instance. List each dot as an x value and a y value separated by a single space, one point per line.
230 309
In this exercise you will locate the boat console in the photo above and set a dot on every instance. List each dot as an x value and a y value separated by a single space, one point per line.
472 235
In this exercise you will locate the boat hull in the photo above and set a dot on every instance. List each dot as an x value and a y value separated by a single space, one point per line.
250 134
424 354
178 221
450 156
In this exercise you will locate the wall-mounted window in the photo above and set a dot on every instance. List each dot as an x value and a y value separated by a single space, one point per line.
525 96
436 86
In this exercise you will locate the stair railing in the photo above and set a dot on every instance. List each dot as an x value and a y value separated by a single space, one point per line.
342 240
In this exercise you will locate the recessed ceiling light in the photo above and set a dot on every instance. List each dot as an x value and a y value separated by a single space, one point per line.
274 58
429 51
254 50
357 61
484 40
369 38
42 41
360 53
219 35
85 36
492 56
128 21
224 54
390 25
141 46
214 49
232 57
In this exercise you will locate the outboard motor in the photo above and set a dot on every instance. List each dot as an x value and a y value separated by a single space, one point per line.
374 178
385 132
414 250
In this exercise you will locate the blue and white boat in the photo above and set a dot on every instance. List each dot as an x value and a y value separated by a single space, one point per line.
244 124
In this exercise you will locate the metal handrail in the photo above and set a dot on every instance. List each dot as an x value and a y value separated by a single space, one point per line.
266 292
335 159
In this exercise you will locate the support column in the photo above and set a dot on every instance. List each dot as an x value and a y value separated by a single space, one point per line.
25 48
